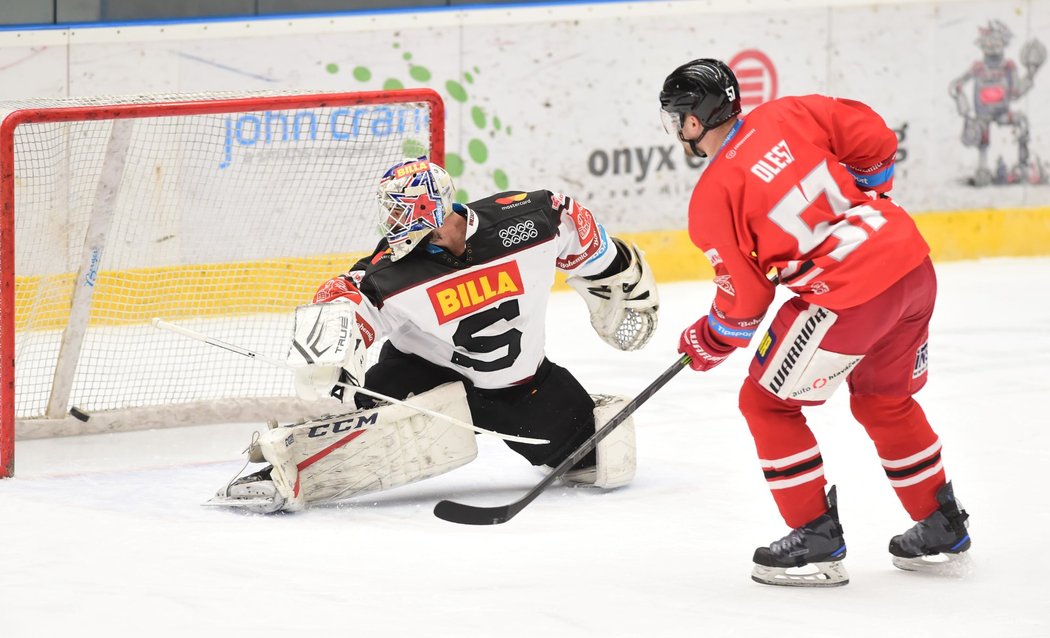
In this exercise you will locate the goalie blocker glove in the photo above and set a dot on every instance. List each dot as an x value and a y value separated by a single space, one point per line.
623 306
327 348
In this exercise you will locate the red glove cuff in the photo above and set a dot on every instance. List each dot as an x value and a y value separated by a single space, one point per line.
337 288
699 343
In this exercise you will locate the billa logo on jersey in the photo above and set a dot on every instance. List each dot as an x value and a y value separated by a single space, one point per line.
411 169
461 296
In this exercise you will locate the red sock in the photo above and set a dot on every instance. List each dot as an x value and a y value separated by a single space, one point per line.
788 453
908 448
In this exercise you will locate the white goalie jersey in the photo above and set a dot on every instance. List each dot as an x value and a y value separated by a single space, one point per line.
481 314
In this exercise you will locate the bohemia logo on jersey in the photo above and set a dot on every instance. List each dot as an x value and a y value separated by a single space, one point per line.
463 295
586 230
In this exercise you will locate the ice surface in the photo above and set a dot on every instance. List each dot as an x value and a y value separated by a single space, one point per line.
105 536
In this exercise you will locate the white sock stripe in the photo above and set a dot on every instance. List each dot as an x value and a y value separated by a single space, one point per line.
918 478
787 461
913 459
780 484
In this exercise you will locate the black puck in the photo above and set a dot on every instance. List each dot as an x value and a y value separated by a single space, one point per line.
77 414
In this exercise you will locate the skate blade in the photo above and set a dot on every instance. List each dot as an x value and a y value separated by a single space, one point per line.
260 505
946 565
826 574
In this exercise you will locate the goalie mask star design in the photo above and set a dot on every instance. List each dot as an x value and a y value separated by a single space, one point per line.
414 195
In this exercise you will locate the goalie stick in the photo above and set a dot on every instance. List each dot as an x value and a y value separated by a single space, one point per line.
244 352
475 515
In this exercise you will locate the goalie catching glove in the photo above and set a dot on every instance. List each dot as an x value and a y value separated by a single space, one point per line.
623 306
327 349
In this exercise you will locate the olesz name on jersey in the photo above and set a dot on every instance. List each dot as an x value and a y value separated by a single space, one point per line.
776 160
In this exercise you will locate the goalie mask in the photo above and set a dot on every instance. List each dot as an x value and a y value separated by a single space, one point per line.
414 195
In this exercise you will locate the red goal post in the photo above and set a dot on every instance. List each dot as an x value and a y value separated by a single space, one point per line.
219 211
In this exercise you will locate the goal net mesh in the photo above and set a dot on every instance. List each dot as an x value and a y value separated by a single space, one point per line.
220 213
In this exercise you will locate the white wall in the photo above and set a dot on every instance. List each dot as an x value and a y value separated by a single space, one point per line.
574 88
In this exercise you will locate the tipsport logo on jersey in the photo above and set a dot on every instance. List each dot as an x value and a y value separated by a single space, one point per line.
463 295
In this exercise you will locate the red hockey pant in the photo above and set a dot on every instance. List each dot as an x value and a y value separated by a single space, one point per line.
890 331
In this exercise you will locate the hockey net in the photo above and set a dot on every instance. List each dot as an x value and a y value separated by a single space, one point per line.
220 212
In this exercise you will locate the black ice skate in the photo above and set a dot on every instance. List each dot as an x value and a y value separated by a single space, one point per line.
810 556
937 543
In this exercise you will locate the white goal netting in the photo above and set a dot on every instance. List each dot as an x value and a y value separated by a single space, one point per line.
219 212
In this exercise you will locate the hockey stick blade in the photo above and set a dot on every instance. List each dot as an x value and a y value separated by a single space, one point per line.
472 515
464 514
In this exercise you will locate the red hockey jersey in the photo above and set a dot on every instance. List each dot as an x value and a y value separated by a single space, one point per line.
796 189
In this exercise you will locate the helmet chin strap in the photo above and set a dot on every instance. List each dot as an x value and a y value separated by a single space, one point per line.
693 143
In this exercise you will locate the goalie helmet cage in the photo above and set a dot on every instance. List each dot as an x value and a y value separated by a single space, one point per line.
218 211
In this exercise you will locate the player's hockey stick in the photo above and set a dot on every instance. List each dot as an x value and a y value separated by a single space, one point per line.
474 515
244 352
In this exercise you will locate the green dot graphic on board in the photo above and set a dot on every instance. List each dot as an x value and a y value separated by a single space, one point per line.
477 153
454 164
456 91
413 148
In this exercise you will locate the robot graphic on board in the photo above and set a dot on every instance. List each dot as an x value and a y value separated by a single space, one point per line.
997 85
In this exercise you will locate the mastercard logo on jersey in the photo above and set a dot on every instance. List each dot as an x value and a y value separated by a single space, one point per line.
511 199
455 298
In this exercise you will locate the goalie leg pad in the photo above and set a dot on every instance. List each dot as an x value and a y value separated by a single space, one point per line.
616 453
369 450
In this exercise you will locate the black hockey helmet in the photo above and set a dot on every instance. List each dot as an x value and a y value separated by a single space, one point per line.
706 88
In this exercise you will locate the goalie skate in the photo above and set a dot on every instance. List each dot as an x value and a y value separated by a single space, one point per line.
254 493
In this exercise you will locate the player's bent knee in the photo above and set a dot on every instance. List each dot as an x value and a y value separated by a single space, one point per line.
874 410
616 453
369 450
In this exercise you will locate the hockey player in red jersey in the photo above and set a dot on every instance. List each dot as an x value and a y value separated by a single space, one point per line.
460 292
795 192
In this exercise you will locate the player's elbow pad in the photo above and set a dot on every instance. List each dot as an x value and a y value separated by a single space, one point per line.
623 306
